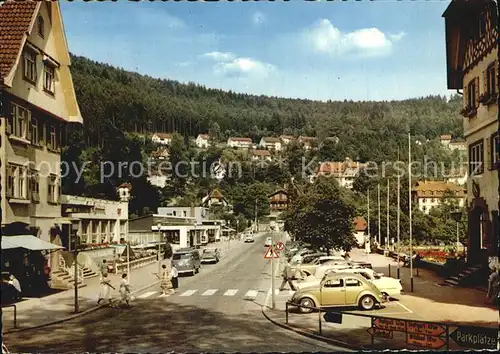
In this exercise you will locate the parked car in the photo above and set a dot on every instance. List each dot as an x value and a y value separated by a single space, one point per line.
339 290
310 267
248 238
210 255
187 260
320 272
268 242
390 287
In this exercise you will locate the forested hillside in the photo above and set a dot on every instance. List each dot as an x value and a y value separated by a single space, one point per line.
111 98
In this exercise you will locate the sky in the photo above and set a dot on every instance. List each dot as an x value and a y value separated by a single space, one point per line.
367 50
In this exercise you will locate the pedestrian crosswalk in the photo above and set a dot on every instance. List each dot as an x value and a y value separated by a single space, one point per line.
246 295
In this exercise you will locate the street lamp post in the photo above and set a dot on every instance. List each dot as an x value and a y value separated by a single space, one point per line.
457 216
159 247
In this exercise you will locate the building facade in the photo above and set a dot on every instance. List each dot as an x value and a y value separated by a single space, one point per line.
202 141
278 202
270 143
345 172
431 194
472 66
161 138
242 143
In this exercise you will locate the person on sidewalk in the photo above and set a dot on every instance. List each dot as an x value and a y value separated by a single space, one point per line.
17 286
287 278
175 277
493 285
104 269
125 290
105 289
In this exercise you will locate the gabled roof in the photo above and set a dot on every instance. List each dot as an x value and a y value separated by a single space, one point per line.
162 135
282 191
243 140
261 153
270 139
288 137
204 136
16 18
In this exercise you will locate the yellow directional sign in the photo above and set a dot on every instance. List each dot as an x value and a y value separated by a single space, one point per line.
390 324
430 329
422 340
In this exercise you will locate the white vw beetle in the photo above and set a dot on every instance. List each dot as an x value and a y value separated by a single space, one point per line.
388 286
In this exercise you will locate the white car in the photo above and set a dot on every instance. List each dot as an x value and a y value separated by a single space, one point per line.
269 241
248 238
387 285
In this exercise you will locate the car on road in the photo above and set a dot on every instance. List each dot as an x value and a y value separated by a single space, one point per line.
210 255
339 290
268 242
390 287
187 260
248 238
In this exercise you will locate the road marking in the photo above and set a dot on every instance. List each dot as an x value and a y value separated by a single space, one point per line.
188 293
403 306
251 294
231 292
145 295
209 292
164 295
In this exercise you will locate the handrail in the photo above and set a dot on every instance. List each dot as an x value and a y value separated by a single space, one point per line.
135 263
15 313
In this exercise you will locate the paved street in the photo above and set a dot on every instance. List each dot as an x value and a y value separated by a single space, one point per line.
216 310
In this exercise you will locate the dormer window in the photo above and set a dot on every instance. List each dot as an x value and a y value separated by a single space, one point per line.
41 26
30 66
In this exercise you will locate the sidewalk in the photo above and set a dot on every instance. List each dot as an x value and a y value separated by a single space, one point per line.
429 301
37 312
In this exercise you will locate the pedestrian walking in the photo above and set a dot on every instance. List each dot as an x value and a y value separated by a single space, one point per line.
105 289
17 286
175 277
125 290
493 285
287 278
104 269
165 281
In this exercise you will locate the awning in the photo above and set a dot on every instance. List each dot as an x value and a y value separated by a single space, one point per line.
28 242
65 221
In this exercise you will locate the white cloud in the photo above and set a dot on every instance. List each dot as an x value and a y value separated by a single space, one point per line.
324 37
244 67
258 18
219 56
397 37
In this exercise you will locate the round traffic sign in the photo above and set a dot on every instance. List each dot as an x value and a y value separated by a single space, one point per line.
280 246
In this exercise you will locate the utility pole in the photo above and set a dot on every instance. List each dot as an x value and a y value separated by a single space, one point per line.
369 235
255 221
273 287
379 231
387 239
409 212
399 209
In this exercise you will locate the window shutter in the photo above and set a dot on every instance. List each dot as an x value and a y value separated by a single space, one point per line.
10 119
496 77
488 161
477 91
485 81
29 127
466 96
495 221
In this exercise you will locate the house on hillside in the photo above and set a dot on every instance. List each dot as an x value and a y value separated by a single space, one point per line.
161 138
430 194
278 202
160 154
307 142
261 155
445 140
345 172
270 143
360 230
242 143
214 198
458 176
460 145
472 66
202 140
286 139
38 103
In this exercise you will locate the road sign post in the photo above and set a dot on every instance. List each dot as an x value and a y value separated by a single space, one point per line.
476 337
273 274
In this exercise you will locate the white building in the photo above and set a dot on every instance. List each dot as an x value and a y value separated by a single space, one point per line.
271 143
215 198
458 176
445 140
243 143
360 230
430 194
459 145
202 141
307 142
161 138
261 155
287 139
158 180
344 172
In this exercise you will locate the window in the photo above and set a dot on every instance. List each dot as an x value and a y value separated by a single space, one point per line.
30 66
48 78
491 80
34 133
334 283
41 26
495 150
476 158
34 186
364 275
52 189
471 94
17 182
51 137
18 121
352 282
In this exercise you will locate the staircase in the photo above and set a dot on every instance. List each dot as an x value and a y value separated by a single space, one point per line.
465 276
64 278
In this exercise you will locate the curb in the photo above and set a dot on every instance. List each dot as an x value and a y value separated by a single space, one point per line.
310 335
80 314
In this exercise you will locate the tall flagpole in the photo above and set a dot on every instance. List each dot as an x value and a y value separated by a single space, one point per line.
399 208
379 232
387 240
409 212
369 235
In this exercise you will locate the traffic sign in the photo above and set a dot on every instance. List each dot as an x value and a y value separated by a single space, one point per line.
430 329
280 246
271 253
476 337
389 324
382 333
422 340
